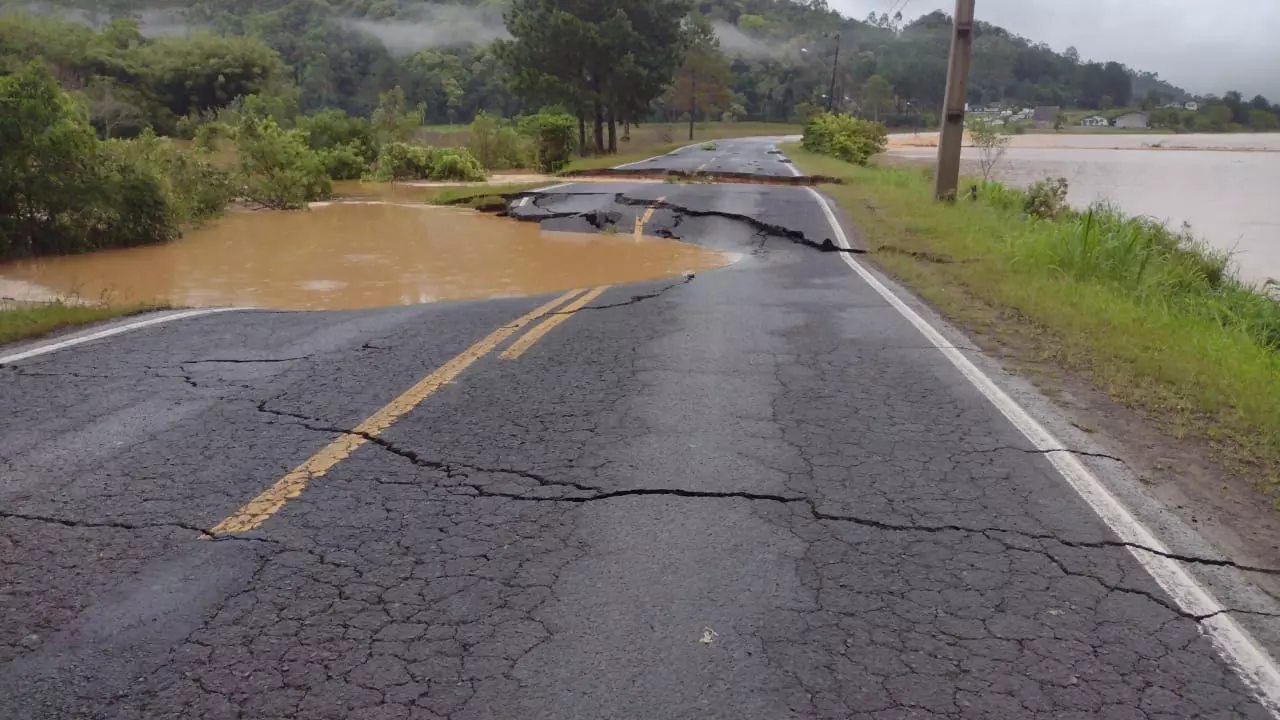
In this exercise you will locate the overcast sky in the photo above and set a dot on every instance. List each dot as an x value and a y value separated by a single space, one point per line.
1202 46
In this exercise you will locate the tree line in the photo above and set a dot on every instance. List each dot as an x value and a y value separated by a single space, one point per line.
773 62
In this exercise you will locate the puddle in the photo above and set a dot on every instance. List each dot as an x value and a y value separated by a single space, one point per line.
353 256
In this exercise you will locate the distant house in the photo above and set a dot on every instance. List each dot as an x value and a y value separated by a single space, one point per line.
1134 121
1192 105
1096 121
1046 116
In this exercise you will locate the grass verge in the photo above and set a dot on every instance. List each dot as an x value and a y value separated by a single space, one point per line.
23 323
479 196
1144 316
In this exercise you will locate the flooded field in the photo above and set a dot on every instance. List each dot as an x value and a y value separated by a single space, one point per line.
1224 186
360 255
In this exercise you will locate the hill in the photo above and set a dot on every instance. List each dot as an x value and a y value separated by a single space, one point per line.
342 53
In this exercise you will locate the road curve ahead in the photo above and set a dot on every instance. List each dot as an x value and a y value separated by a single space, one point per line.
758 493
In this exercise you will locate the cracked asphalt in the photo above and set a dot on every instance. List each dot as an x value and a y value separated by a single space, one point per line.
752 494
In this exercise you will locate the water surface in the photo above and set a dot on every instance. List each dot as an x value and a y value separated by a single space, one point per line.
1226 187
351 256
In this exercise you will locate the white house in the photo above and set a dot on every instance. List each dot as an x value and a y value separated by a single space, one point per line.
1192 105
1096 121
1134 121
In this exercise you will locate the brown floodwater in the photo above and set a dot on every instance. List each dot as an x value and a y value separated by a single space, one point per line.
1224 186
345 256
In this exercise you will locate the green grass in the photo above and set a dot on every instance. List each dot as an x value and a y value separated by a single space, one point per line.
22 323
478 196
1135 309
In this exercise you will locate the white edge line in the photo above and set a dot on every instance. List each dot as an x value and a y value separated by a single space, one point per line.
655 157
550 188
795 171
111 331
1254 665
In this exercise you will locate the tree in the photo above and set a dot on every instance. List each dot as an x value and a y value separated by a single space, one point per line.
605 59
1235 103
992 144
1260 102
702 82
877 94
1153 99
1263 120
1072 55
110 107
392 120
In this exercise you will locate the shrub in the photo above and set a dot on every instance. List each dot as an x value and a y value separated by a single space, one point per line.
554 134
278 169
194 188
1046 198
208 135
344 162
848 138
456 164
497 145
402 161
333 129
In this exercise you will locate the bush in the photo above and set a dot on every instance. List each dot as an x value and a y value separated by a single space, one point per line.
63 191
194 188
1046 198
402 161
332 129
497 145
344 162
554 134
848 138
456 164
278 169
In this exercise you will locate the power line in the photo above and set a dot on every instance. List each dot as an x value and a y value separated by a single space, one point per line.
900 6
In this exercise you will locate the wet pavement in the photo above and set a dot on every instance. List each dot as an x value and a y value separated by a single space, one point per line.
356 255
755 493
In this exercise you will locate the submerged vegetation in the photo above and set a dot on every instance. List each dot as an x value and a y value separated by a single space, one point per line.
1149 314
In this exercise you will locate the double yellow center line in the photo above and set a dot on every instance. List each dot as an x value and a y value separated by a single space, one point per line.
261 508
270 501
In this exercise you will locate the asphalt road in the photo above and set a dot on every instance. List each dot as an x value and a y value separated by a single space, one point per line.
759 493
757 156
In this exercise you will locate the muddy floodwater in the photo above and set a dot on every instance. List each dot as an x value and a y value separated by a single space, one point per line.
345 256
1224 186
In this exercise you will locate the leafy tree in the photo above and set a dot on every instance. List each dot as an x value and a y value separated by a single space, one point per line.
605 59
701 85
392 121
280 171
877 94
1236 104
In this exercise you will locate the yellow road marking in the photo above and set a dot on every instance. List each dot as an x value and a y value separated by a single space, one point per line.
261 508
647 216
521 345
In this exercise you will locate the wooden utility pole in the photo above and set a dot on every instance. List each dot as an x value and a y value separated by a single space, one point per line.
835 64
952 137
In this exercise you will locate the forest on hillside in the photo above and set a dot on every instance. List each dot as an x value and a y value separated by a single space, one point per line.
343 53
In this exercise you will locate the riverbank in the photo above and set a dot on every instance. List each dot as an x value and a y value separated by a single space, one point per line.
1185 358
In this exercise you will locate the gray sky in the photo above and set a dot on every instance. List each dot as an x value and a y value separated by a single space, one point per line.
1202 46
